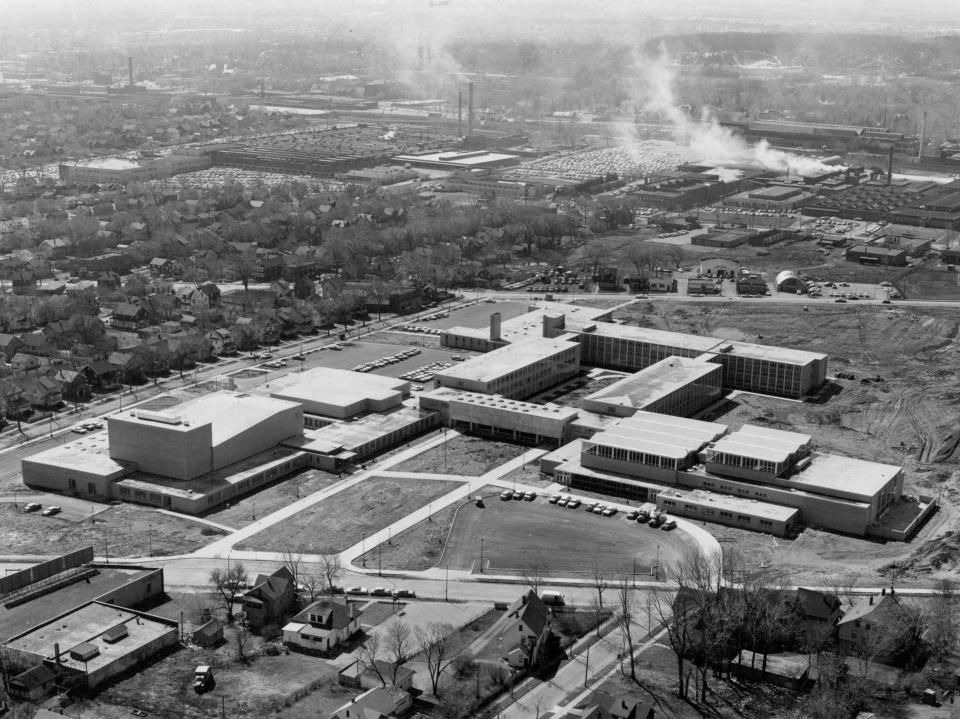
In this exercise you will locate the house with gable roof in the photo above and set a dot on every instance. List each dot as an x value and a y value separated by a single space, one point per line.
323 626
270 599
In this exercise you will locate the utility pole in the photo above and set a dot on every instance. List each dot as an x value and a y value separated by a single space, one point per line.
586 668
150 537
446 584
380 559
481 555
106 550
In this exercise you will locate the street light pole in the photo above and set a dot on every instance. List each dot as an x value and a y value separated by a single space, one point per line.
656 567
481 555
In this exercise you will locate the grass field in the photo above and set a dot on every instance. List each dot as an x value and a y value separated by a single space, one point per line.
340 521
129 531
277 495
419 547
519 535
470 456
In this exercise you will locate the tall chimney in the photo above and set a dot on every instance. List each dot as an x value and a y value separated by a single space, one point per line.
890 167
470 109
923 132
56 652
130 69
495 327
459 113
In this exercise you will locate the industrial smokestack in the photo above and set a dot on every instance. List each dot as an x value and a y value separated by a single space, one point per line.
130 69
56 652
890 167
459 113
470 109
923 132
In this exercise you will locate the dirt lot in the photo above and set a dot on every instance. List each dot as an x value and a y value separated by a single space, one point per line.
420 547
519 535
341 520
909 419
280 494
264 685
572 393
129 530
469 456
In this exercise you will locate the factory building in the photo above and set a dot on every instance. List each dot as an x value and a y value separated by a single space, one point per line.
877 255
518 370
674 386
123 172
778 198
93 643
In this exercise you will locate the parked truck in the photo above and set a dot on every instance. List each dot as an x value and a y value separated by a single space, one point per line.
552 599
202 679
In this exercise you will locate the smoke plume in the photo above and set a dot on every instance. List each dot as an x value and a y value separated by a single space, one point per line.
707 140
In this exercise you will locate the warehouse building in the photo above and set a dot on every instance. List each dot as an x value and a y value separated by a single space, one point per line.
518 370
115 171
93 643
339 393
500 418
674 386
878 255
778 198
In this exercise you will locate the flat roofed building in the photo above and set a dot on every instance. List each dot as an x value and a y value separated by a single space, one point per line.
651 446
530 324
340 393
730 510
768 369
202 435
516 371
499 417
756 453
675 386
83 466
94 642
629 348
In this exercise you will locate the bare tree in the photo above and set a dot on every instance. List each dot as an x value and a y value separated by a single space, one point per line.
313 584
437 644
368 654
330 568
229 583
599 582
399 642
625 619
943 619
292 559
534 576
243 637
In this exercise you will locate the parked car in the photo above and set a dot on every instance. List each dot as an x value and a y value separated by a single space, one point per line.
609 511
78 429
529 496
202 679
379 592
404 593
573 503
51 510
632 515
356 590
32 507
668 525
553 498
656 521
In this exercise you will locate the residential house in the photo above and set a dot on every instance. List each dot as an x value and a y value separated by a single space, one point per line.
378 703
323 626
209 634
35 343
213 294
14 400
33 684
9 345
127 316
820 611
22 362
270 599
101 375
873 626
192 299
23 281
160 266
601 705
42 392
55 248
267 269
73 385
528 625
222 342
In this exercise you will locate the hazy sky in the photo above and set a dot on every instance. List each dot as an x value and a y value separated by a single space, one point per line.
515 18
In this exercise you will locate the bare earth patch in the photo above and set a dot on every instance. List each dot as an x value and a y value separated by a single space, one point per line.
469 456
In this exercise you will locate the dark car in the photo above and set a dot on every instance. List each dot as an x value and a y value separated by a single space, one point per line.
656 521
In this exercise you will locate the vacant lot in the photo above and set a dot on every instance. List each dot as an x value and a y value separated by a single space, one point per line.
261 686
518 535
280 494
477 315
470 456
909 419
420 547
342 520
121 531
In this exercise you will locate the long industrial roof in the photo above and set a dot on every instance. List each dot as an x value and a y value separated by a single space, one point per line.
754 507
858 480
659 435
653 336
336 386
